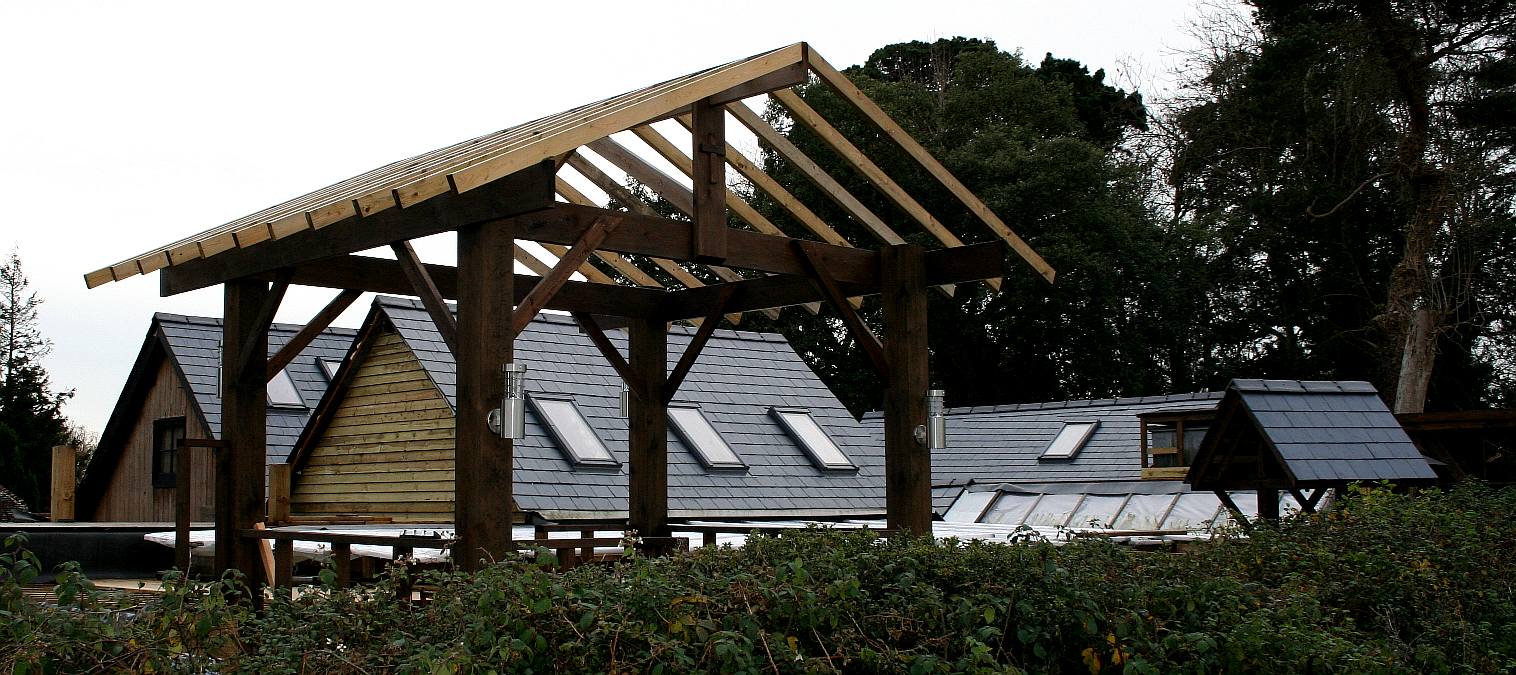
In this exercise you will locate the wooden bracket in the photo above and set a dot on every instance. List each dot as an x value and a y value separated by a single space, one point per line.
697 343
1308 505
313 328
808 255
426 289
548 285
247 360
608 350
1242 518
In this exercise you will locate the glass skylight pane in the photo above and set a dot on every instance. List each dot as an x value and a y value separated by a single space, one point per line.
1097 511
1069 440
815 441
698 433
330 366
1194 510
573 432
282 392
968 507
1053 510
1144 512
1010 509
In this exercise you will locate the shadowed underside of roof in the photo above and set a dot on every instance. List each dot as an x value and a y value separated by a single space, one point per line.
563 137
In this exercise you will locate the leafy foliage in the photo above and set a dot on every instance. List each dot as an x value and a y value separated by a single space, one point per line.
1385 583
31 414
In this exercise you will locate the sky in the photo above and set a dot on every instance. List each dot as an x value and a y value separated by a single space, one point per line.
124 126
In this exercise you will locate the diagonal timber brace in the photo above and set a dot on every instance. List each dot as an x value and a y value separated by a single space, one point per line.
319 323
838 300
611 354
426 289
697 343
549 285
265 318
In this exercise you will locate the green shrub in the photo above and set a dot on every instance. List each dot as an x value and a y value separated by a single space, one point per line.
1385 582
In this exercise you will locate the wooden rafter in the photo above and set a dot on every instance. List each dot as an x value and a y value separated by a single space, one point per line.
866 339
554 280
312 328
618 263
612 355
863 104
807 116
697 343
426 289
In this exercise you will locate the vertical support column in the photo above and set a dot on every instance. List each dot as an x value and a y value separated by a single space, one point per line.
482 499
907 462
279 493
61 508
648 475
184 466
240 493
708 126
1268 505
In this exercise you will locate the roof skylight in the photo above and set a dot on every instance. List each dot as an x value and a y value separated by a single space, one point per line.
700 436
573 432
282 392
813 439
1070 439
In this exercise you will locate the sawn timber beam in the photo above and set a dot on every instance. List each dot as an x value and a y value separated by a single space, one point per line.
522 192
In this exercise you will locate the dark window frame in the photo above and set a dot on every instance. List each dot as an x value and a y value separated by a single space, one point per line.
161 427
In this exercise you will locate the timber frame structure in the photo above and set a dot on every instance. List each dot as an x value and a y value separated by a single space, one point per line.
503 187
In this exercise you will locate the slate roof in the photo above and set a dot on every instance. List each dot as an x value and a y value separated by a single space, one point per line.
10 504
993 444
193 342
739 376
1324 432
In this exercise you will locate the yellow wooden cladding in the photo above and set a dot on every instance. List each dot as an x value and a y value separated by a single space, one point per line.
387 448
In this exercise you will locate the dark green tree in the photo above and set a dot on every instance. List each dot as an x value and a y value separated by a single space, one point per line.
1352 164
1042 145
31 414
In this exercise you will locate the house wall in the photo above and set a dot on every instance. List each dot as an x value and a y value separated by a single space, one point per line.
130 495
388 448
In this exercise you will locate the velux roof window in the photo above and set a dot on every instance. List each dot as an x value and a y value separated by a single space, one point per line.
698 434
813 439
282 392
572 431
1070 439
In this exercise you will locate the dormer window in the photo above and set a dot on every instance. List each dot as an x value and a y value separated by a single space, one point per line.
282 392
1069 441
1170 440
702 438
576 438
820 447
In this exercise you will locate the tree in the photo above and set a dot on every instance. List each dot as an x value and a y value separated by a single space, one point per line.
31 417
1041 145
1349 160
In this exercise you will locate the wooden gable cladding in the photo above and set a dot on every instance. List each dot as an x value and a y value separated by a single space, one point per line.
387 447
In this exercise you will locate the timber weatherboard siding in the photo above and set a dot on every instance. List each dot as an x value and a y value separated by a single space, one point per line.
130 496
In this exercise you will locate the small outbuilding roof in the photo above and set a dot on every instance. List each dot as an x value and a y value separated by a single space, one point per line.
1292 434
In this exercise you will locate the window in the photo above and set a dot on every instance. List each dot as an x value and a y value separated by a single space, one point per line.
330 366
697 433
282 392
813 439
572 431
167 433
1069 440
1170 441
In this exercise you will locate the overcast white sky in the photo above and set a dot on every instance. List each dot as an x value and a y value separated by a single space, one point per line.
124 126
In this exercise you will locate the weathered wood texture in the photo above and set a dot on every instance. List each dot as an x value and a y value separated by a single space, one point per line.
244 418
648 471
907 463
61 498
387 450
130 496
482 510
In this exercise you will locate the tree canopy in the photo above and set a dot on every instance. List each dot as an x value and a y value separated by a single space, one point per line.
31 414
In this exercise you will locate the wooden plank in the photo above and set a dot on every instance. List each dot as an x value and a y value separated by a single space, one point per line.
529 190
312 328
342 560
618 263
782 78
807 116
854 323
61 498
548 286
240 491
870 110
266 556
612 355
709 182
483 505
426 289
907 463
184 467
647 479
279 481
696 344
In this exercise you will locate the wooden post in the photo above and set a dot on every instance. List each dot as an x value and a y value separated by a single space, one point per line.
278 493
708 127
648 473
240 493
1268 505
184 465
907 462
482 497
62 506
284 563
342 561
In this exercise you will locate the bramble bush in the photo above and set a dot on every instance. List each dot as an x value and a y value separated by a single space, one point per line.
1385 582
